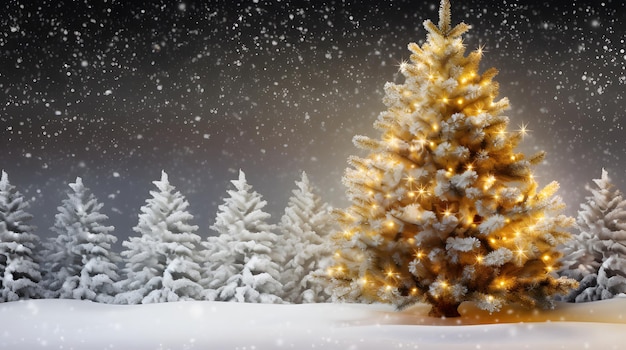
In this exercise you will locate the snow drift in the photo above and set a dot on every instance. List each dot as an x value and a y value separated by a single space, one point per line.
72 324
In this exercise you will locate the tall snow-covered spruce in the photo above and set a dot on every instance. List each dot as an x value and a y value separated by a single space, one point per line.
305 227
80 262
241 262
19 270
443 209
162 262
597 255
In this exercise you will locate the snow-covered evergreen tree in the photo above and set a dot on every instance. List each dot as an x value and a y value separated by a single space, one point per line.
162 262
443 209
597 255
241 262
82 264
305 227
20 273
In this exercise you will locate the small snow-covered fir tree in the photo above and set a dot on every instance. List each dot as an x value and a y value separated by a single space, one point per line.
305 227
597 255
443 209
241 262
82 264
162 262
20 273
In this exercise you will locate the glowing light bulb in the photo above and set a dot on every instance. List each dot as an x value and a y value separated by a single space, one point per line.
523 129
480 50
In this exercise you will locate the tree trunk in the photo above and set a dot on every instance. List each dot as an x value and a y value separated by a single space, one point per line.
445 310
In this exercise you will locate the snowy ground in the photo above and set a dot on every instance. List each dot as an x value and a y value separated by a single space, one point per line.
70 324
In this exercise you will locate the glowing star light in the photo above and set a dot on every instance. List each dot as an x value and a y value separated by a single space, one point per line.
523 130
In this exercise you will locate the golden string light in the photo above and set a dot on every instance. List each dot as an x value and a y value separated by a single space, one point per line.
422 191
523 130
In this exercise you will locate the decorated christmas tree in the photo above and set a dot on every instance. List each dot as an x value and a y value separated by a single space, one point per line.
443 209
597 255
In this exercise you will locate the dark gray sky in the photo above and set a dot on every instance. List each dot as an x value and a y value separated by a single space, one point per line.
117 91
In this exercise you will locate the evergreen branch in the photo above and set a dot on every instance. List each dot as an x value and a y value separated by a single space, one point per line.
444 17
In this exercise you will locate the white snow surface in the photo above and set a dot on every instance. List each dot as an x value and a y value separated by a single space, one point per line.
73 324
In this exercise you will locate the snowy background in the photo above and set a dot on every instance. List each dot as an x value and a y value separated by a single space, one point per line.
116 91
